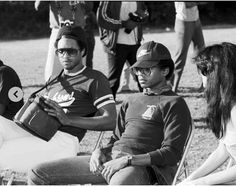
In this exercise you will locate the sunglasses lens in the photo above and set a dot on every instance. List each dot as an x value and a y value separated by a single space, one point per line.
72 52
143 71
69 52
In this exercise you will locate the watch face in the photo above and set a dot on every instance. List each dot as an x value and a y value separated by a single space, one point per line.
129 160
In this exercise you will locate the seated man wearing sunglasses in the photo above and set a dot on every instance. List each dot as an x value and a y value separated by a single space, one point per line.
148 141
80 98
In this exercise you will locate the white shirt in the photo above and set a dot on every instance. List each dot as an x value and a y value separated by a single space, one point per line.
229 138
186 14
123 37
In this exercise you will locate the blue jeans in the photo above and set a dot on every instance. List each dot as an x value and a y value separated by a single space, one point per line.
75 170
185 33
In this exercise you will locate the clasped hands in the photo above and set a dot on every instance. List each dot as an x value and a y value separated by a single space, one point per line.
99 164
56 110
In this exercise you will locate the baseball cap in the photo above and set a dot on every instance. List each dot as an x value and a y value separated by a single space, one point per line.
76 33
150 54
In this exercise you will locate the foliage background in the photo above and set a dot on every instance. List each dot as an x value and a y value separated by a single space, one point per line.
19 20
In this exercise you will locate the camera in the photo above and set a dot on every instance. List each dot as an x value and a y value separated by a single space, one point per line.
136 18
66 23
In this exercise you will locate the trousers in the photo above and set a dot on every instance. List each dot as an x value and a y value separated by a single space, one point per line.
20 150
185 33
75 170
116 63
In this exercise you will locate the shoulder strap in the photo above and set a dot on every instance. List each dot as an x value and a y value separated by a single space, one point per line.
46 84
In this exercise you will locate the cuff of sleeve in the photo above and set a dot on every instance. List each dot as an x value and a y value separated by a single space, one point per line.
156 157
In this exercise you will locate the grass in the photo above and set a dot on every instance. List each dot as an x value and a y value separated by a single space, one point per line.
28 57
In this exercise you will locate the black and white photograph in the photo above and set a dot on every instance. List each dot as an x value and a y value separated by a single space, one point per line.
117 92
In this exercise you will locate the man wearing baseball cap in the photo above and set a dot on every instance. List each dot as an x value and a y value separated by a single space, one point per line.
80 98
148 141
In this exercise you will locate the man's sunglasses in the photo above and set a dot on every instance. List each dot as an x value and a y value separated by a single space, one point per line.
69 51
143 71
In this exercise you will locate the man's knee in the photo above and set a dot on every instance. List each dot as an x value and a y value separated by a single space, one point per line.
136 175
36 176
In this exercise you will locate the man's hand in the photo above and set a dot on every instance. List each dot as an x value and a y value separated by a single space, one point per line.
56 110
96 161
113 166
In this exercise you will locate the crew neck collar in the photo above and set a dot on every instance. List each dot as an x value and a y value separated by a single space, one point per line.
159 91
76 73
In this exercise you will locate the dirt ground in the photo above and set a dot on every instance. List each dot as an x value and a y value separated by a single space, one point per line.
28 57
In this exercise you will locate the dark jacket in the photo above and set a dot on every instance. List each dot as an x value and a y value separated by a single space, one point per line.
109 23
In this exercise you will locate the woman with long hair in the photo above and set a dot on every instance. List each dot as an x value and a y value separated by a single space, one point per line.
217 64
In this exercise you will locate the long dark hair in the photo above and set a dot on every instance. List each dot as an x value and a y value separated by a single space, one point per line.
218 63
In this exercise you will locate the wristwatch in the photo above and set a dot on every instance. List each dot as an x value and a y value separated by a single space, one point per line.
129 160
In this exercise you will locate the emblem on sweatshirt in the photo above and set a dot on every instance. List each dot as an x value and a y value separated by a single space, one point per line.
149 112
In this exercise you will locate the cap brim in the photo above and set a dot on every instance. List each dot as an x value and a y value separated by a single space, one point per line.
144 64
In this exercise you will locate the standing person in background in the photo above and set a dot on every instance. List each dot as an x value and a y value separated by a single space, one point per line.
60 13
90 25
121 35
217 66
188 28
126 77
11 94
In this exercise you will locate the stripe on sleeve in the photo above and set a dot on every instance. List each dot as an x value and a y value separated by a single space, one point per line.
105 17
104 100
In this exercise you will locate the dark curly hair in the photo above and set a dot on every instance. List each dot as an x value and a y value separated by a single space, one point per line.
167 63
218 64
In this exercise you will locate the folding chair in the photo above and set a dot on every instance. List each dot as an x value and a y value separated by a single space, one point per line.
183 164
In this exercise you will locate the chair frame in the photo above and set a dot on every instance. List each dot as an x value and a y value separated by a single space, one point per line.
183 162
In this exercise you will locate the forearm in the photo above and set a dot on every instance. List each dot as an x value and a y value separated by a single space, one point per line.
141 160
215 160
221 177
105 21
103 121
99 123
